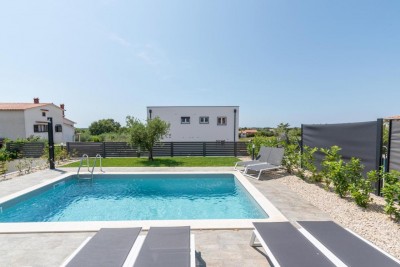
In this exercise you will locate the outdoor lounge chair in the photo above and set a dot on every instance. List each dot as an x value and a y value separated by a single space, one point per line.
287 247
262 157
167 247
109 247
350 248
274 161
123 247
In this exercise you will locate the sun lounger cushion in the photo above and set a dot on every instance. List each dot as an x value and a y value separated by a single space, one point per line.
108 248
289 247
165 247
350 249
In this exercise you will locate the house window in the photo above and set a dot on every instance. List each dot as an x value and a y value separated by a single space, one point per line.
43 114
221 120
204 120
58 128
185 120
40 128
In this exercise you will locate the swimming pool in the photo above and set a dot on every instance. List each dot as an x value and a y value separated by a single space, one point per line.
51 181
125 197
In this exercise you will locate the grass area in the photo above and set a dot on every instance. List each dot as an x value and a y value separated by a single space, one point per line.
164 162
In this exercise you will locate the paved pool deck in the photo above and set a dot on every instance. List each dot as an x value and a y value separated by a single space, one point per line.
213 247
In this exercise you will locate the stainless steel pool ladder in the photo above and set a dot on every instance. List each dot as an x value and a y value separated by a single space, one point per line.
85 156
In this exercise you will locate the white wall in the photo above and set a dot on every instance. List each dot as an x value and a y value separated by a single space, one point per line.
12 124
34 116
68 132
195 131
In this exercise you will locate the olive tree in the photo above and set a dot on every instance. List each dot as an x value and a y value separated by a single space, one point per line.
145 135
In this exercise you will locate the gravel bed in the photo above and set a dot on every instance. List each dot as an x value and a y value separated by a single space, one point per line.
371 223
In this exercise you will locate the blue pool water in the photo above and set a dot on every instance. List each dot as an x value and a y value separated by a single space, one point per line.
137 197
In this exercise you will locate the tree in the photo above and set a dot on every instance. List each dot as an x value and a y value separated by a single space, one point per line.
145 135
281 132
104 126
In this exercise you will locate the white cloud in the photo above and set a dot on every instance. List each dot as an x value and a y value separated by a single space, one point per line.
118 39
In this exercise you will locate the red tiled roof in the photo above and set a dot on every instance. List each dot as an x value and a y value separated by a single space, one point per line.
20 106
249 131
396 117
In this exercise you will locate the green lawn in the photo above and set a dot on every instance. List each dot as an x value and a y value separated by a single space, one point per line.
164 162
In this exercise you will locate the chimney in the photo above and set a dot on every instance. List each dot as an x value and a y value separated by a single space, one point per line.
62 108
36 100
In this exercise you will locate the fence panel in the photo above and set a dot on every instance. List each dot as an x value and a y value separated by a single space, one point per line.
361 140
91 149
162 149
27 150
394 145
119 149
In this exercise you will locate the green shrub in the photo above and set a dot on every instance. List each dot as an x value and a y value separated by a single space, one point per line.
331 156
360 188
391 193
308 164
259 141
291 159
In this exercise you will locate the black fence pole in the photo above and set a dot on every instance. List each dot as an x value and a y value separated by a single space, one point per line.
51 142
68 149
388 147
204 149
301 146
379 137
104 149
172 148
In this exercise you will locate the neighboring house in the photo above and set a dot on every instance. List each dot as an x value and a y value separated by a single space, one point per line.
247 133
22 120
198 123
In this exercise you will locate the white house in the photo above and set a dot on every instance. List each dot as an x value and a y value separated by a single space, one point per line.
22 120
198 123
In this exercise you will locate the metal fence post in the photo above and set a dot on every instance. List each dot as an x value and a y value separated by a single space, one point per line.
389 147
172 149
104 149
204 149
379 136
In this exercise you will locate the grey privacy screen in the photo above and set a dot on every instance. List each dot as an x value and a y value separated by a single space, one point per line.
360 140
394 153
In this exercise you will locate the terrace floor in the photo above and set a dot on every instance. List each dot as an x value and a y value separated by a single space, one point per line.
213 247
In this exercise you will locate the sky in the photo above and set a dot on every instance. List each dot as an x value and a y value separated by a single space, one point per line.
296 62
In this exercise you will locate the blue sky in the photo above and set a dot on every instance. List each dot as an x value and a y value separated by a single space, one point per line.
281 61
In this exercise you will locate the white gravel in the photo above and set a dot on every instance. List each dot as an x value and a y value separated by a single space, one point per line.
371 223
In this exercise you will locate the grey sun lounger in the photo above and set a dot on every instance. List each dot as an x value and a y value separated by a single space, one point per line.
167 247
262 157
109 247
347 246
287 247
274 161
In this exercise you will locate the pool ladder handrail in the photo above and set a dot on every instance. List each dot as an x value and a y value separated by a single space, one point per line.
81 164
88 165
98 156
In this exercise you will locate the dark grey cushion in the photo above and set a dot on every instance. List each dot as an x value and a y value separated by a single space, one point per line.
165 247
350 249
109 247
289 246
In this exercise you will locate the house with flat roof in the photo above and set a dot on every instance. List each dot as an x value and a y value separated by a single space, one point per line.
198 123
22 120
